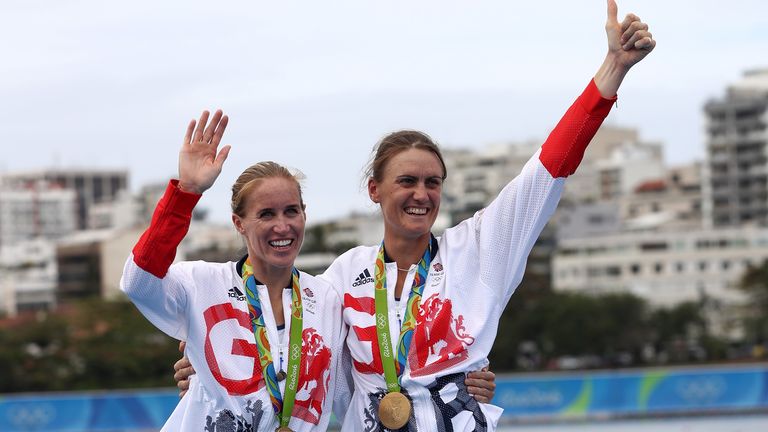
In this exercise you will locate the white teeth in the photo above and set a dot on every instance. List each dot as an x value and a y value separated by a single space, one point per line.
279 243
416 210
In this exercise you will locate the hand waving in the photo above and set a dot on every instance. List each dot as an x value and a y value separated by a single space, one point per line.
628 41
199 164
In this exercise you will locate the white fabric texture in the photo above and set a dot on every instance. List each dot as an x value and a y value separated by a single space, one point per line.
478 265
204 304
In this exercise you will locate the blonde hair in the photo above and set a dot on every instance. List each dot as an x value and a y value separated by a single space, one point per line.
254 174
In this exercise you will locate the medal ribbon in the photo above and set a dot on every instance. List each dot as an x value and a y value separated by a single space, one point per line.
262 343
394 370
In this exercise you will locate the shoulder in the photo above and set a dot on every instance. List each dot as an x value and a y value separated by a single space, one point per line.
356 255
357 258
344 269
204 269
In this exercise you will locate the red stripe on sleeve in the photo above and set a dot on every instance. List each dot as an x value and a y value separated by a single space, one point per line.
564 148
156 249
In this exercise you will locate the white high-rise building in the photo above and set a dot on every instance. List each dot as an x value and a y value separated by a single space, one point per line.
737 149
91 186
36 209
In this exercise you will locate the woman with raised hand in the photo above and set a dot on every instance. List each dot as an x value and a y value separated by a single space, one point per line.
263 336
424 310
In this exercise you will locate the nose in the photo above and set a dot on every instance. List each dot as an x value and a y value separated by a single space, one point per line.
420 192
281 225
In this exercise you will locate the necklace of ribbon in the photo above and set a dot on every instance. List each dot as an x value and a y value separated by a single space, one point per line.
393 370
283 408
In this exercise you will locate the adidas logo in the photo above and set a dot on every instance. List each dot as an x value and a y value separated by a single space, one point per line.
363 278
235 293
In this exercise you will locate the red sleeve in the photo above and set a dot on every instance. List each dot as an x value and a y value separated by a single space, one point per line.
564 148
156 248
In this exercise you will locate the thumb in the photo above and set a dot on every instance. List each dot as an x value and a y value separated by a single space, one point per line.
222 156
613 12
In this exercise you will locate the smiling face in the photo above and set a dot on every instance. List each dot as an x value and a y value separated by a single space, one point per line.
272 224
409 193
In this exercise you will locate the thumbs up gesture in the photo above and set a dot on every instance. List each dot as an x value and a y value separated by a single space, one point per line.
629 41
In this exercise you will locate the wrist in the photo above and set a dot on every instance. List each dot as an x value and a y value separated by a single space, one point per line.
188 188
610 75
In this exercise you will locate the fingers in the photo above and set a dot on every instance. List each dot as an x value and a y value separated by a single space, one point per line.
481 385
628 20
482 379
187 140
183 387
219 132
182 344
183 373
201 126
183 370
211 128
635 31
613 13
181 363
476 388
646 43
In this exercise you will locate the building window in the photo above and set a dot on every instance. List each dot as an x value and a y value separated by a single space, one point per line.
658 267
702 265
653 246
634 268
680 267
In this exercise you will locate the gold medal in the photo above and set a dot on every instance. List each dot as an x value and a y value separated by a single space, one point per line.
281 375
283 429
394 410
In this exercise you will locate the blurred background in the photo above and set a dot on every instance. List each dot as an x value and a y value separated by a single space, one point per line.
646 296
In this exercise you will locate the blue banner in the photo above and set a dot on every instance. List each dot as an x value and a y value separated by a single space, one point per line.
109 411
633 393
539 396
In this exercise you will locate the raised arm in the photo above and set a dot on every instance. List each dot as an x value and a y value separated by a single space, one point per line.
510 225
199 166
157 289
628 43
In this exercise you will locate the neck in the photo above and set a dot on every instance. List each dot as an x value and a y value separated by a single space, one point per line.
276 279
406 251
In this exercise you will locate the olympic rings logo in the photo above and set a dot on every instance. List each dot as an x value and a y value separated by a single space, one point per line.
381 320
31 416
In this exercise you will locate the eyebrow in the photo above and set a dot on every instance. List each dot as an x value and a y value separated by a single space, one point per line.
288 207
436 176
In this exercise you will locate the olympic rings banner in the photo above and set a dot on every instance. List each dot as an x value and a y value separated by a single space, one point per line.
523 397
635 393
107 411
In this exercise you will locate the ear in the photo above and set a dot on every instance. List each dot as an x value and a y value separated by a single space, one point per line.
238 223
373 190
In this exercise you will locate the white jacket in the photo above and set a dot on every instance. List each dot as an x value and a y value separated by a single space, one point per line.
478 265
205 305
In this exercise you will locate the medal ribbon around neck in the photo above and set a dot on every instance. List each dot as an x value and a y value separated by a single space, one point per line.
394 370
283 408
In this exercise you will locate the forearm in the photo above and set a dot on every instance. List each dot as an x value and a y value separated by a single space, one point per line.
156 249
563 150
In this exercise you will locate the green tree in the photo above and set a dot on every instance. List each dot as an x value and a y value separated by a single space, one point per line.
755 284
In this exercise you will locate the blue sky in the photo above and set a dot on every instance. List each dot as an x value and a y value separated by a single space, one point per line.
313 85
